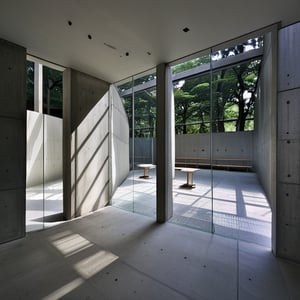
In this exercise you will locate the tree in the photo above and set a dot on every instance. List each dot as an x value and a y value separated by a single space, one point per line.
52 92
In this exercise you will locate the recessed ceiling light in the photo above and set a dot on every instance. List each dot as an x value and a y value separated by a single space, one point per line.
70 23
186 29
90 37
149 53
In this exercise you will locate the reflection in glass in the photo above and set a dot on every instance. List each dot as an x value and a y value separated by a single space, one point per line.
138 192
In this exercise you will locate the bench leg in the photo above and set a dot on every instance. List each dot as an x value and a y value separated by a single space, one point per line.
189 181
146 174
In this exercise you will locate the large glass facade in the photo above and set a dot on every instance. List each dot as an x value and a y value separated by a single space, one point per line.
138 192
214 181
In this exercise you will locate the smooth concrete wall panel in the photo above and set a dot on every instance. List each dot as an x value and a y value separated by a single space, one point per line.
44 148
288 156
12 165
13 141
12 214
189 145
52 148
13 77
265 122
92 159
34 160
119 145
225 145
86 146
86 92
289 161
289 63
289 114
289 203
288 239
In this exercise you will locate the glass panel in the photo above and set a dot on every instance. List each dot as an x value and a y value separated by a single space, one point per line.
52 92
144 144
44 203
53 177
30 85
35 172
192 190
138 191
123 192
238 203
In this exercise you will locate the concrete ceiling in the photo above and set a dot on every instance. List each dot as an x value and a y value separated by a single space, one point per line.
150 32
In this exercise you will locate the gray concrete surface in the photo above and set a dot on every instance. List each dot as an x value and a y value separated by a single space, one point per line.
85 143
12 140
114 254
288 155
231 204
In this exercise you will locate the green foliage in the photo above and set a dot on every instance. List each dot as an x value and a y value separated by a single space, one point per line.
30 85
219 101
52 91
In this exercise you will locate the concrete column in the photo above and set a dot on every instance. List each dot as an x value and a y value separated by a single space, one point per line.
164 151
12 141
288 144
85 143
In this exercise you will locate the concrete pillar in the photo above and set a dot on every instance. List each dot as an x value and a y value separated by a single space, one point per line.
85 143
288 144
12 140
165 140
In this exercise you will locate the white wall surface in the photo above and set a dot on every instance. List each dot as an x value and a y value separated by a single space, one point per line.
44 148
119 140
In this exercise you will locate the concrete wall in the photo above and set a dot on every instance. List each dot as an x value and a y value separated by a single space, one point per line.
265 121
288 156
44 148
86 143
144 150
12 140
119 149
225 145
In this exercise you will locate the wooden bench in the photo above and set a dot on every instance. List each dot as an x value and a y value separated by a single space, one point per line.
243 164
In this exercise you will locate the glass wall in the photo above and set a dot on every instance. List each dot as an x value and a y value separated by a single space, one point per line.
215 184
215 188
44 202
192 185
138 191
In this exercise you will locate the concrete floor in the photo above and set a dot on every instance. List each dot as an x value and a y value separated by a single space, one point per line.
114 254
44 205
229 203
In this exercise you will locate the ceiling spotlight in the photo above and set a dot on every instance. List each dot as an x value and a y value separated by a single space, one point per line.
149 53
90 37
127 53
70 23
186 29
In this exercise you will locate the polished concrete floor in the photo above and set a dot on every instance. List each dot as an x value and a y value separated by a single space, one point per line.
115 254
228 203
